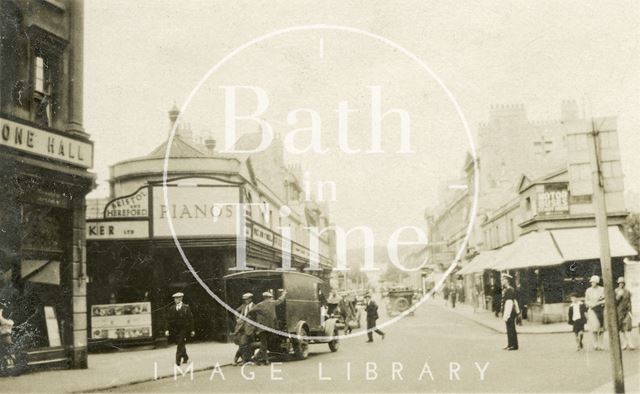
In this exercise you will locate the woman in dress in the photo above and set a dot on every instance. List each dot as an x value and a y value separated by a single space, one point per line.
594 298
623 306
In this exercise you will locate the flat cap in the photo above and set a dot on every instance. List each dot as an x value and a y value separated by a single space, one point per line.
247 295
178 294
267 294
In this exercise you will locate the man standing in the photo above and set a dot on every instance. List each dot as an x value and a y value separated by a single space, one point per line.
510 312
623 309
372 315
180 326
264 313
243 331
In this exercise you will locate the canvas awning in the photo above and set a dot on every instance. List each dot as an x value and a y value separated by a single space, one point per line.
583 243
554 247
481 262
536 249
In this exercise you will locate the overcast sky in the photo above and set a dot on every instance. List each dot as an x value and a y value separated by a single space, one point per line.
142 56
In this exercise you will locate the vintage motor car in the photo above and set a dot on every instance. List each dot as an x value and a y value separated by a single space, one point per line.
399 299
300 315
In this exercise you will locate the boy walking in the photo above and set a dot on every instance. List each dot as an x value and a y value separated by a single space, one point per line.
577 318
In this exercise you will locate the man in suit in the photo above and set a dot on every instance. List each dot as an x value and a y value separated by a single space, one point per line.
372 315
243 331
180 326
264 313
510 312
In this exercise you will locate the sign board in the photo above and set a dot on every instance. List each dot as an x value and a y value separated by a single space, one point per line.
195 211
45 143
554 199
632 278
121 321
123 229
53 331
133 206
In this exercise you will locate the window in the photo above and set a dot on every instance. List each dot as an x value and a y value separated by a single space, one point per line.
43 85
45 74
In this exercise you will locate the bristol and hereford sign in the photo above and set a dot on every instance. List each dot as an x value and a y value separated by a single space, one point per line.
135 205
45 143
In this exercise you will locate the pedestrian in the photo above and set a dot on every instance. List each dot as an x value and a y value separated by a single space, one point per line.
332 302
372 315
496 300
264 313
623 308
346 312
510 312
445 293
180 326
453 294
243 331
577 318
594 298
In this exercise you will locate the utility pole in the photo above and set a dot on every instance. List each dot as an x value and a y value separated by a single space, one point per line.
600 209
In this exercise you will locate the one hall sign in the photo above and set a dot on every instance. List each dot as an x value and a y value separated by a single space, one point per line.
46 144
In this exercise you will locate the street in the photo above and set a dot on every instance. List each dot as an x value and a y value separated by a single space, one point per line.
436 350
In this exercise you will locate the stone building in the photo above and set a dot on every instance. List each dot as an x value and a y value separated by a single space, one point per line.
134 258
45 155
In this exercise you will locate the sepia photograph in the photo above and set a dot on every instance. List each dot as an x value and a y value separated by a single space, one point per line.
308 196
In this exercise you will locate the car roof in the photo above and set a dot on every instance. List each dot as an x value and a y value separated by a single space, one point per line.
269 273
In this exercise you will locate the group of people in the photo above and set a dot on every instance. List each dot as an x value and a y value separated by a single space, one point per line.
590 313
262 313
343 306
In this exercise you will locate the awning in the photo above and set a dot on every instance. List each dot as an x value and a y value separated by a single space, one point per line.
481 262
583 243
536 249
554 247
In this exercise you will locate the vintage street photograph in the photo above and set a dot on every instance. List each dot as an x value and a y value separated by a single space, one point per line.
307 196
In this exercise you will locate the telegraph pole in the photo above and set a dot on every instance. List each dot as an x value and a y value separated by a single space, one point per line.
600 209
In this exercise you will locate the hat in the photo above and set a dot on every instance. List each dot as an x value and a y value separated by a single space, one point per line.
247 296
267 294
178 294
621 279
506 276
595 278
367 295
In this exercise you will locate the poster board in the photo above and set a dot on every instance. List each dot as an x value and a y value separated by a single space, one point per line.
121 321
53 331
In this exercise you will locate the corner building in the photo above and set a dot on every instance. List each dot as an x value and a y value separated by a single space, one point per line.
45 155
134 260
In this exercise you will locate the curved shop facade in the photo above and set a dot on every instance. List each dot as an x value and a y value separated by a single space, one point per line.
133 262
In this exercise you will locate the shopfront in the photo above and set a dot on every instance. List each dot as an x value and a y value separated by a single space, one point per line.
133 257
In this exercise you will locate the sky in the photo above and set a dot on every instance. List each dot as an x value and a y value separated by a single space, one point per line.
142 56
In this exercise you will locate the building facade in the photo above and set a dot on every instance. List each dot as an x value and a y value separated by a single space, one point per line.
134 258
539 225
45 155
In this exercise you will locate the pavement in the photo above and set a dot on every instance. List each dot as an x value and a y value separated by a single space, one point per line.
436 350
488 319
109 370
439 349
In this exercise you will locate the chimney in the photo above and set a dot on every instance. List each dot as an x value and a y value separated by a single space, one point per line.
210 143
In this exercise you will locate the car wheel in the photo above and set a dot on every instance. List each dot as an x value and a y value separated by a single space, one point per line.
401 304
301 349
334 345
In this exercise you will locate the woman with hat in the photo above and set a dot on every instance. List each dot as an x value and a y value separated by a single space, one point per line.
623 307
594 298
